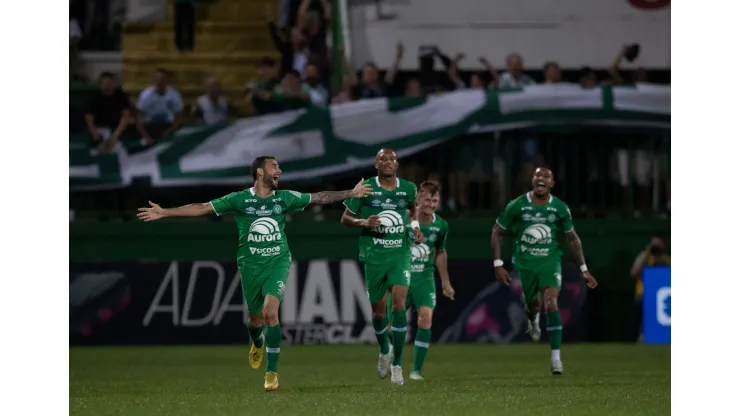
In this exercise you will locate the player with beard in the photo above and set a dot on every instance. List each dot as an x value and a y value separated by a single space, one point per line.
263 255
424 257
385 249
537 218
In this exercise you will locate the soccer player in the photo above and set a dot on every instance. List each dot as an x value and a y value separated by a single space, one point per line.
536 218
385 250
263 255
424 257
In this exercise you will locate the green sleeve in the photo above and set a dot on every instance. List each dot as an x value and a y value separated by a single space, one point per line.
507 217
567 218
442 242
226 205
353 205
412 193
296 201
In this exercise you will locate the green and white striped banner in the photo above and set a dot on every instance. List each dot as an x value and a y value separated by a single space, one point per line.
315 141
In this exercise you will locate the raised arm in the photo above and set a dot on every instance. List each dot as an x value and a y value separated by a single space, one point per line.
156 212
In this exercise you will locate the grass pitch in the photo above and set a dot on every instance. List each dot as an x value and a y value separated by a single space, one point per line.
473 379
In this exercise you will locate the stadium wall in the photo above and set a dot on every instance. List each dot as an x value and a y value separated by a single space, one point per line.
177 282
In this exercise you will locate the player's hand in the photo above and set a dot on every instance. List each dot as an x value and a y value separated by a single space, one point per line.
372 221
502 276
361 190
151 214
448 291
590 280
418 236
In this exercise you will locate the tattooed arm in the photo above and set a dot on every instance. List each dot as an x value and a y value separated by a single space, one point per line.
360 190
574 242
330 197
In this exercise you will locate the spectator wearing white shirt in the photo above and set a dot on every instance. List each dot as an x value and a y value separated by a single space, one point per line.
212 107
160 109
514 76
316 90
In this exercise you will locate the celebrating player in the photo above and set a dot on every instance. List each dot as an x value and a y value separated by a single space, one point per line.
385 250
263 255
535 218
424 257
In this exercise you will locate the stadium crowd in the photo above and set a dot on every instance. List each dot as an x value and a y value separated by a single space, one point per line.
473 170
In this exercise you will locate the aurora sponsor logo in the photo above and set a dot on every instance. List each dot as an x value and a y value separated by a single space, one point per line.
537 234
264 230
391 222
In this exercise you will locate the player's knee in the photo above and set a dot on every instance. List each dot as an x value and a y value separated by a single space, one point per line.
271 310
399 298
425 318
551 299
257 320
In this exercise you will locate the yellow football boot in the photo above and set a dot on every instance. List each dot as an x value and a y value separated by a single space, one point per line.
271 381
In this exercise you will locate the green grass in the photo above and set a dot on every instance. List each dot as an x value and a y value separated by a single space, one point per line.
599 379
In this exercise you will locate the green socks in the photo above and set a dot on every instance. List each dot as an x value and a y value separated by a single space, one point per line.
398 326
273 337
381 333
255 333
554 330
421 347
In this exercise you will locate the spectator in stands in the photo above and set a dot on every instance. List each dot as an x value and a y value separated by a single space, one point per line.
212 107
294 53
491 71
587 77
476 79
371 86
75 36
267 80
160 109
655 254
108 113
314 17
552 73
317 91
346 92
636 76
290 94
185 25
514 76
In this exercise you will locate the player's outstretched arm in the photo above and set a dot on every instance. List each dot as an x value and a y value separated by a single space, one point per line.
360 190
155 212
574 243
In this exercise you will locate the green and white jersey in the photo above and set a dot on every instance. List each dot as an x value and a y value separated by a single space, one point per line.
435 240
536 228
391 240
261 224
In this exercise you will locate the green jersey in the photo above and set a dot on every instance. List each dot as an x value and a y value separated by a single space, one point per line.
536 228
261 224
435 240
392 240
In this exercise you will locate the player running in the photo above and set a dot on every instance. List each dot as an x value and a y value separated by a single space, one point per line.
263 255
385 250
536 218
424 257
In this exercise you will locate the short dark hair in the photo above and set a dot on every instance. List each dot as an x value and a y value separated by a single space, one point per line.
106 74
430 186
545 166
267 61
259 163
294 73
548 64
162 71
